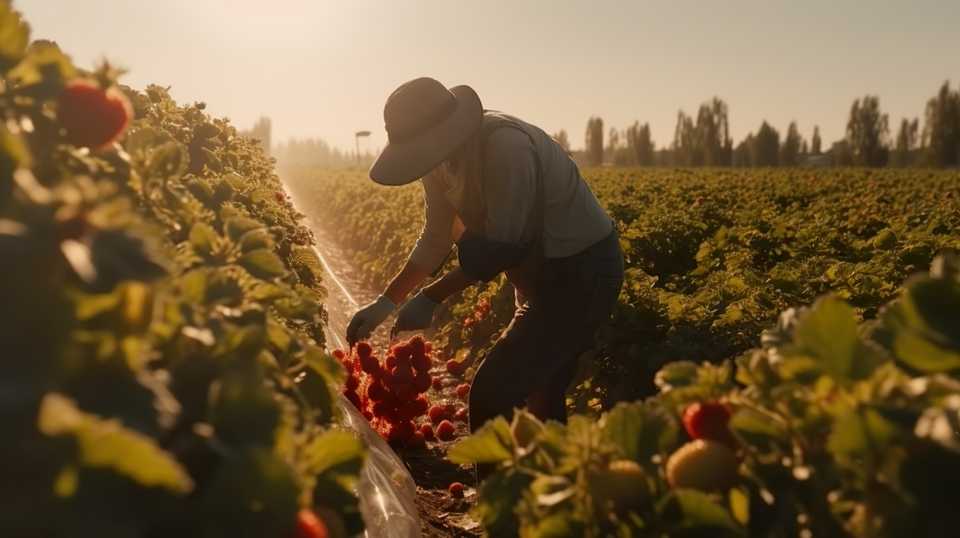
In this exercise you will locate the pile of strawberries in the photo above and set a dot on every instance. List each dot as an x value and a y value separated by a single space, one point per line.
390 394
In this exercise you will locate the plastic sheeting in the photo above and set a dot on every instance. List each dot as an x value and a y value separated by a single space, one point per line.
386 490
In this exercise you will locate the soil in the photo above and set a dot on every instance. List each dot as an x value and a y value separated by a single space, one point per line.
441 515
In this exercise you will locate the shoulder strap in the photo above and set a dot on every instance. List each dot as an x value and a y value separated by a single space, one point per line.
538 214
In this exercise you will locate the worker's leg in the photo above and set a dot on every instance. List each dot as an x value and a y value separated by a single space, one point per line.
509 370
537 353
595 278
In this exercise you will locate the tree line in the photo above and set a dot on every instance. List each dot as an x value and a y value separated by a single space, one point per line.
704 140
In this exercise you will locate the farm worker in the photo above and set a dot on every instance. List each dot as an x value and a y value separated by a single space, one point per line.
513 202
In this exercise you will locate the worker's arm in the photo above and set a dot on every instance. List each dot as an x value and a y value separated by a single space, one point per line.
431 250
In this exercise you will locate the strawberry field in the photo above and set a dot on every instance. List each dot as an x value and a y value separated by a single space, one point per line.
759 419
713 256
784 359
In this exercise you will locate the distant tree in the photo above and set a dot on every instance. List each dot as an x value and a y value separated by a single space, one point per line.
594 142
942 127
907 138
613 143
815 142
684 140
765 149
261 131
867 132
841 153
563 140
713 144
313 152
742 154
790 150
804 148
640 143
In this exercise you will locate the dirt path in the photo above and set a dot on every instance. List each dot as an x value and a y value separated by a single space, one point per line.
440 514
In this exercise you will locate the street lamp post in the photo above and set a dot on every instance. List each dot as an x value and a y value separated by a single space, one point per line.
357 136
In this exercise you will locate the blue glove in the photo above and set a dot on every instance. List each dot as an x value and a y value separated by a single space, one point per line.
369 318
415 315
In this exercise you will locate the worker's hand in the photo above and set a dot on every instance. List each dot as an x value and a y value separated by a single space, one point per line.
369 318
415 315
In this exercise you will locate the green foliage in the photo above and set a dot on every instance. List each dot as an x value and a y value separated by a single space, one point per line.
838 434
163 367
712 256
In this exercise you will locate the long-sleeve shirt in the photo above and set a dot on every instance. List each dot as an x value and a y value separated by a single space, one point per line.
573 218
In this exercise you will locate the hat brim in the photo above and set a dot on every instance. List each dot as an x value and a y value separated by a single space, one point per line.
408 161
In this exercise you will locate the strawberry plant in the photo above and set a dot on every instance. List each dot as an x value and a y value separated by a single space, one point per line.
164 371
841 428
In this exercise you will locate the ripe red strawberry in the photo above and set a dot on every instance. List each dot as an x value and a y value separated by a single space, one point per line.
418 440
376 392
463 390
370 365
381 409
421 362
418 345
353 382
446 430
437 413
309 525
92 116
339 355
427 431
422 405
708 420
456 490
461 414
364 349
437 383
422 381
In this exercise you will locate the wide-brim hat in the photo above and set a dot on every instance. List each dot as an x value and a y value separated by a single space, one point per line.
426 123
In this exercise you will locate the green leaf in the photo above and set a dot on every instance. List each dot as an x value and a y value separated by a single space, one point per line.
236 227
335 450
676 374
108 444
255 239
14 36
242 409
692 509
252 492
757 428
924 327
740 505
203 238
43 71
262 263
639 429
860 437
490 444
498 498
827 335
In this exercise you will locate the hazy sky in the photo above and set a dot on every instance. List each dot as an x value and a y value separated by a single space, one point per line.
324 68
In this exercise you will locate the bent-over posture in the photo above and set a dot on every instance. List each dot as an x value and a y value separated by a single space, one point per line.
514 202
